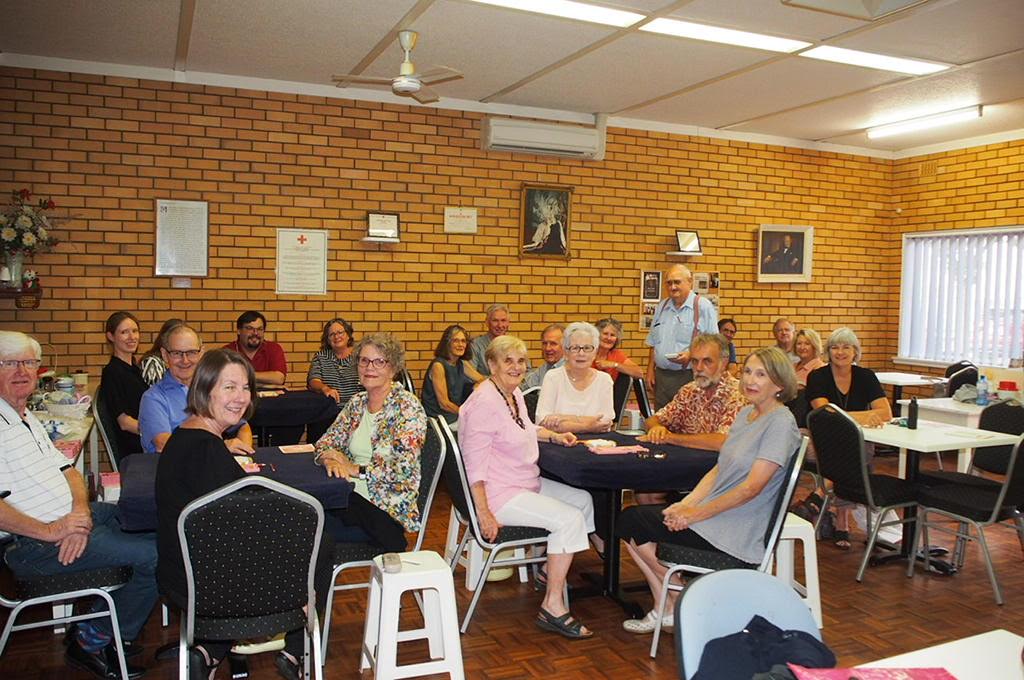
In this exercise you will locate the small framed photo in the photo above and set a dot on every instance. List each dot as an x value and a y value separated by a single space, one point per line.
546 220
784 253
382 227
650 286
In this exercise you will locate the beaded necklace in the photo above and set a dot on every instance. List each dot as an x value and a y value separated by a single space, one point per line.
514 404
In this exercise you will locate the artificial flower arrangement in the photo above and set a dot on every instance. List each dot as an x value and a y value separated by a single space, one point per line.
25 228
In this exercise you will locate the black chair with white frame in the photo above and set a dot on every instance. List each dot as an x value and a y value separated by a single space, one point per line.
59 589
642 400
974 506
843 460
509 537
107 426
358 555
530 397
265 520
960 374
681 559
621 389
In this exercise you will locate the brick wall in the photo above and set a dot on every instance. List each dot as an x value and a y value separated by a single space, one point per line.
105 147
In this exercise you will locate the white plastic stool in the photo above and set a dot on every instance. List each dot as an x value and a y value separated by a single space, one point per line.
423 571
798 529
473 556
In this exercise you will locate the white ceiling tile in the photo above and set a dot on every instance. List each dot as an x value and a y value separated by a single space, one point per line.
301 40
631 70
116 31
767 16
794 82
952 32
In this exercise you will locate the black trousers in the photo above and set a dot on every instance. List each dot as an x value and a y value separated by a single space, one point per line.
381 528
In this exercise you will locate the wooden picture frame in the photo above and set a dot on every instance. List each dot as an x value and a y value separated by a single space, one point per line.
545 220
784 253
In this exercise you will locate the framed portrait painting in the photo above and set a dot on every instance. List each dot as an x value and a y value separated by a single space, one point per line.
784 253
546 219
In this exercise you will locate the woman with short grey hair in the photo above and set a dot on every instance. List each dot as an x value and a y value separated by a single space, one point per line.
576 397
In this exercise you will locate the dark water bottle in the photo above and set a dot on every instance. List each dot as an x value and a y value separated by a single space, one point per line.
912 414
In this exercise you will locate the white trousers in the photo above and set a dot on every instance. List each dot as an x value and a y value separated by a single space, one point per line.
565 511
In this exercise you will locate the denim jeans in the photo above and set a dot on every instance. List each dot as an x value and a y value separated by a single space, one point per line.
108 547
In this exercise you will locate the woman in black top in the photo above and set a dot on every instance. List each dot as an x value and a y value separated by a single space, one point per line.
854 389
451 376
194 462
121 385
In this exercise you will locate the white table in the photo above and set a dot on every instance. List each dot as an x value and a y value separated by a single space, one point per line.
931 436
947 410
900 380
995 655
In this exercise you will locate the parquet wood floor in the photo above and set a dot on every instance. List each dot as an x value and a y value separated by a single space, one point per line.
887 614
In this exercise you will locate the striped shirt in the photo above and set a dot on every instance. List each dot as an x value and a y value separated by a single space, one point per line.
340 374
32 467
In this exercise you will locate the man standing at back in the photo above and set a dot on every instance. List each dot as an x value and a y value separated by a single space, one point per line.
677 320
785 333
266 356
497 325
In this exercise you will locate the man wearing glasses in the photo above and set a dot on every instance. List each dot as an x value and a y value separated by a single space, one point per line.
52 526
163 405
267 357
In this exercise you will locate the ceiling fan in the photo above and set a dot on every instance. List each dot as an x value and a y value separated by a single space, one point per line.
408 82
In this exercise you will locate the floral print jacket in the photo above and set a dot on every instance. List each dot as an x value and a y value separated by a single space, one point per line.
393 482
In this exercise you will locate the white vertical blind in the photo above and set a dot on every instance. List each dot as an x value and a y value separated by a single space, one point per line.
962 296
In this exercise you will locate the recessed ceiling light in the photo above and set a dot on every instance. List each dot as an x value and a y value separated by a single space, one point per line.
571 10
870 60
685 29
925 122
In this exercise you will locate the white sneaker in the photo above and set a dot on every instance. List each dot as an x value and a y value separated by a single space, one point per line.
648 623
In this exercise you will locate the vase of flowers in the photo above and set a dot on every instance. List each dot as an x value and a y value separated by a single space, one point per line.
25 229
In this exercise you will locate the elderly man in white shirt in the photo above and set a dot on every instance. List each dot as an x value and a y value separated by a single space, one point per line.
53 527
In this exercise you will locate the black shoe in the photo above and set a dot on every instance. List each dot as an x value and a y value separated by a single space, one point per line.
131 648
103 664
287 668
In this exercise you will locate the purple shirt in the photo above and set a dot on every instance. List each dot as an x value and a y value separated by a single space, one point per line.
495 449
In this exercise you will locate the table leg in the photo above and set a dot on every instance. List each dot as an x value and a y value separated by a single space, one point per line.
609 580
963 460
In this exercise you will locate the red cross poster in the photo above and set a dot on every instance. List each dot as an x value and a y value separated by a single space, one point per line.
301 262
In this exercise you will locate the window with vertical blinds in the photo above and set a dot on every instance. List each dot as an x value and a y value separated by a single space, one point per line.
962 296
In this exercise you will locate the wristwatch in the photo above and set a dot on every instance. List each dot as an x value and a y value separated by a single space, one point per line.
362 472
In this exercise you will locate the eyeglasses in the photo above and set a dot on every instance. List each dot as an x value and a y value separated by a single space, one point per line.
182 354
376 363
581 349
13 364
337 334
253 329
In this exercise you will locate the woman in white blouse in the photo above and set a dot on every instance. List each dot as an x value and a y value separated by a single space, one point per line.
576 397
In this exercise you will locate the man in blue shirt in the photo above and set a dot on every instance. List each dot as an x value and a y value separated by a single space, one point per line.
162 408
677 320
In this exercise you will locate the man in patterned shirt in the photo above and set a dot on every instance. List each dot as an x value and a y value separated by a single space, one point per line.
701 413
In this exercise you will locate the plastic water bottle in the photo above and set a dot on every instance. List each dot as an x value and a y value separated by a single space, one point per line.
982 399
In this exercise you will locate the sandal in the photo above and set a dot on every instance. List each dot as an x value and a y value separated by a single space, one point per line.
564 625
200 665
842 539
540 580
287 666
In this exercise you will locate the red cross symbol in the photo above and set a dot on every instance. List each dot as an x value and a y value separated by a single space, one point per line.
302 239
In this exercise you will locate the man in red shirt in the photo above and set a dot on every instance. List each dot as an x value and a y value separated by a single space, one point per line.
266 356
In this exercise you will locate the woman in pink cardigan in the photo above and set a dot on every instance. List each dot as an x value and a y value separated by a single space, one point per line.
499 447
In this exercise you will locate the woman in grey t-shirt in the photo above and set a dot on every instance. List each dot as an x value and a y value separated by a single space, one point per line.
729 509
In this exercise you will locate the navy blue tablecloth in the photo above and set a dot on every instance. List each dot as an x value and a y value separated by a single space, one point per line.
282 419
681 468
137 504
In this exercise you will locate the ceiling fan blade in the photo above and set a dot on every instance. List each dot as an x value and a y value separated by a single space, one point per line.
425 96
439 74
348 78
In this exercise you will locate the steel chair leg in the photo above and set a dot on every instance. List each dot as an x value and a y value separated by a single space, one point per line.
871 544
922 518
988 565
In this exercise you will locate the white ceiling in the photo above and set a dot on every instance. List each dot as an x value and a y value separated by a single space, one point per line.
541 66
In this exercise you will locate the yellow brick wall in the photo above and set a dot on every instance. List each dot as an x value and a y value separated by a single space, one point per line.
105 147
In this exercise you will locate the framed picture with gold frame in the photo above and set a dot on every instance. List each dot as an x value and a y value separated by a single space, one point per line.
784 253
546 215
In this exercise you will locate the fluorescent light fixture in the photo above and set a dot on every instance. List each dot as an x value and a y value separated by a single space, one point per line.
842 55
685 29
925 122
571 10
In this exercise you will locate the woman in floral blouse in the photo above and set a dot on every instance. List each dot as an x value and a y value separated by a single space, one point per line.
375 443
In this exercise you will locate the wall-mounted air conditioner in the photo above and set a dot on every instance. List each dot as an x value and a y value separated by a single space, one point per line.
546 139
